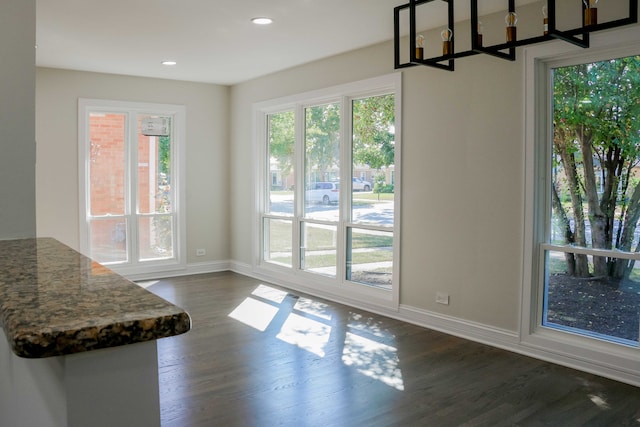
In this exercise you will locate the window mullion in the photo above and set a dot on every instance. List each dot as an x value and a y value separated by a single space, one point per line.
346 170
128 192
346 160
298 198
132 186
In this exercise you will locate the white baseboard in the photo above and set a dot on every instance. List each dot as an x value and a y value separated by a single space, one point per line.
241 268
510 341
208 267
194 268
473 331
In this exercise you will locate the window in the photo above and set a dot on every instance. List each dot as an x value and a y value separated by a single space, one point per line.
592 281
331 214
319 224
580 296
130 179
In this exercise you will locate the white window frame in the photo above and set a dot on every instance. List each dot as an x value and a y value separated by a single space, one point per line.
338 288
134 269
578 351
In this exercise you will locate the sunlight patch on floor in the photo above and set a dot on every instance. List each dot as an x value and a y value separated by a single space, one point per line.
146 283
315 308
369 356
270 294
368 325
599 401
373 359
254 313
305 333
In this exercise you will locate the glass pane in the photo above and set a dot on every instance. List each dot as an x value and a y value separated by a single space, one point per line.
107 133
597 306
595 181
278 238
281 163
370 257
372 186
318 253
155 237
108 240
154 164
322 162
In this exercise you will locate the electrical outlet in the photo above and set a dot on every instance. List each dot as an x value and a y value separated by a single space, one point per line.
442 298
200 252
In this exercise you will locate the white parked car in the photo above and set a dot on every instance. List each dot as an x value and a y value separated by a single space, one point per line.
360 185
323 192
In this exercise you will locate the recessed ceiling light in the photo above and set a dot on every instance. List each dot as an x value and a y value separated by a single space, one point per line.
168 62
262 21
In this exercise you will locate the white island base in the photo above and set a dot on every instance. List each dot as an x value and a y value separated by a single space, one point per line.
115 386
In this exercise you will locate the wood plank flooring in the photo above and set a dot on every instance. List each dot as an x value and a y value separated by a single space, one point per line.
259 355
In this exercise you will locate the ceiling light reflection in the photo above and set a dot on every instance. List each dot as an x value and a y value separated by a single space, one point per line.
262 20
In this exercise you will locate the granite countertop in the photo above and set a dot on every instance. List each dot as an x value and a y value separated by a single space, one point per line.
55 301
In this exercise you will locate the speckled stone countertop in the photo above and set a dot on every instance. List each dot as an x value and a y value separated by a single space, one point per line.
55 301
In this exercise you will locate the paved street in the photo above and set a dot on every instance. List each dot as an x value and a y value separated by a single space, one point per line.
364 210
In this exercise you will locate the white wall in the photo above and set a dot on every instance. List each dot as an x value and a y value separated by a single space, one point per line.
17 118
207 152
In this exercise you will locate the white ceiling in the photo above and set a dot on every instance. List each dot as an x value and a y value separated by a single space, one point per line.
213 41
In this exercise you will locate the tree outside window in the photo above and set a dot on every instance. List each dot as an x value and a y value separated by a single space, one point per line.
595 200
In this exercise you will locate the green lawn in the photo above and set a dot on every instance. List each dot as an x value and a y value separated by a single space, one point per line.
329 260
559 266
372 196
323 239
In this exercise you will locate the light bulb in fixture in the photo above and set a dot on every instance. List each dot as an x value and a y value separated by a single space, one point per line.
511 20
420 46
447 36
169 63
590 12
545 19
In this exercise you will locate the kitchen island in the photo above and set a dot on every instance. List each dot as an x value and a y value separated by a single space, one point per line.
78 341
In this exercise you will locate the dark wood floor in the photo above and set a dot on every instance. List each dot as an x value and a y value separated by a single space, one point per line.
261 356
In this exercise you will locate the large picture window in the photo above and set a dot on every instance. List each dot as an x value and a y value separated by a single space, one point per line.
580 296
592 279
328 184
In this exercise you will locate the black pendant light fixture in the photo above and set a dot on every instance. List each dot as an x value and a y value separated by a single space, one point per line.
507 50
